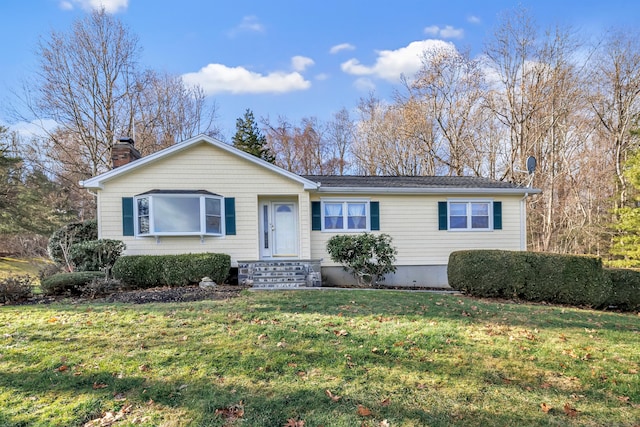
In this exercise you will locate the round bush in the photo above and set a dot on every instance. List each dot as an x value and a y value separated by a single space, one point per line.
69 283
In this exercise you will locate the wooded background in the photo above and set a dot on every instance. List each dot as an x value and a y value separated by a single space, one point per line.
568 98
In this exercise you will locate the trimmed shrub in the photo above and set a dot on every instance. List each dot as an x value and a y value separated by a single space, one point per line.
145 271
16 288
96 255
367 256
488 273
625 293
61 240
69 283
532 276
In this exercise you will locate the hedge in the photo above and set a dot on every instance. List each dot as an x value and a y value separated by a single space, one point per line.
69 283
532 276
145 271
625 293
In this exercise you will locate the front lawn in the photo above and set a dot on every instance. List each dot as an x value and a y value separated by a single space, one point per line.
319 358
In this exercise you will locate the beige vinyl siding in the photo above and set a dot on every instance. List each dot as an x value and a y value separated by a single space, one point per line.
412 222
203 167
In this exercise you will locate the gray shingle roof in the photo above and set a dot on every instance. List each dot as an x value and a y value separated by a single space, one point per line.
410 182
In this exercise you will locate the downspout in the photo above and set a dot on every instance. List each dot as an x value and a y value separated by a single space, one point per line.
523 222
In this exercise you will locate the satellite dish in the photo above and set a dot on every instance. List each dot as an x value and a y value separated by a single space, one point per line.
531 164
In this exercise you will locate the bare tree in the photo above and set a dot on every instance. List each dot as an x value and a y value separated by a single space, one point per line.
90 84
340 136
451 86
616 98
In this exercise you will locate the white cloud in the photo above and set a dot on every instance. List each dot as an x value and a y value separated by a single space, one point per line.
110 6
218 78
340 47
322 76
448 32
392 64
473 19
364 84
249 24
300 63
35 128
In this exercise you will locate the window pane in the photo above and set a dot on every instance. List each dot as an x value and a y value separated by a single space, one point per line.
176 214
458 222
357 219
143 225
479 222
480 209
143 206
458 209
143 215
213 206
333 216
214 224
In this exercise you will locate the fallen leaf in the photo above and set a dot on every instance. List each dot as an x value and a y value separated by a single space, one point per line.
624 399
232 412
332 396
545 408
97 386
62 368
340 333
385 402
384 423
363 411
294 423
144 368
570 411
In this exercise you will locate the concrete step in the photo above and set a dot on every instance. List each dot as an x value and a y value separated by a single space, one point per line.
280 285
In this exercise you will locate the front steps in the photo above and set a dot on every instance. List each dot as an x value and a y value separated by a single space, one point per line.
274 274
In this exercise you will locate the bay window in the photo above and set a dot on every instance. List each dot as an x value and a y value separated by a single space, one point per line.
167 213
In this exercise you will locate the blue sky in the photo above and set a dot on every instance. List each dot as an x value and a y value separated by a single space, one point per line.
289 58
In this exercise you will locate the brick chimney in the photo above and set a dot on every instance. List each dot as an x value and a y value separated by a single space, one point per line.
124 152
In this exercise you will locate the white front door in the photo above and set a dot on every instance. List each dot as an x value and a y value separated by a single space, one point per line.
278 229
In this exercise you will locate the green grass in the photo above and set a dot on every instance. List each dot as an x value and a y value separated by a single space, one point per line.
412 359
20 266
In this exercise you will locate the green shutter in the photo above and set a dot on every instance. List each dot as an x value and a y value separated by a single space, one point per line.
230 216
316 216
443 220
497 215
374 211
127 216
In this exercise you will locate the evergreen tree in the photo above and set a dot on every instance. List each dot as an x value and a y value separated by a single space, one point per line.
626 240
249 139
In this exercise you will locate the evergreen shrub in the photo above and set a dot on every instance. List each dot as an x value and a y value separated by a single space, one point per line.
96 255
532 276
62 239
625 293
72 283
145 271
365 255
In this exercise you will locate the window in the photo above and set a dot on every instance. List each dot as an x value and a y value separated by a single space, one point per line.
470 215
345 215
178 214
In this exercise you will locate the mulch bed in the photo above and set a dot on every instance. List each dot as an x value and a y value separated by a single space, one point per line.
144 296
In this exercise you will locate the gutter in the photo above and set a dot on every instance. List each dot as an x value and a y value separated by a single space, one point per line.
433 190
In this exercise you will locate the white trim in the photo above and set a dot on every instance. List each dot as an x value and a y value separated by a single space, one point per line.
468 202
202 214
345 214
426 190
97 182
